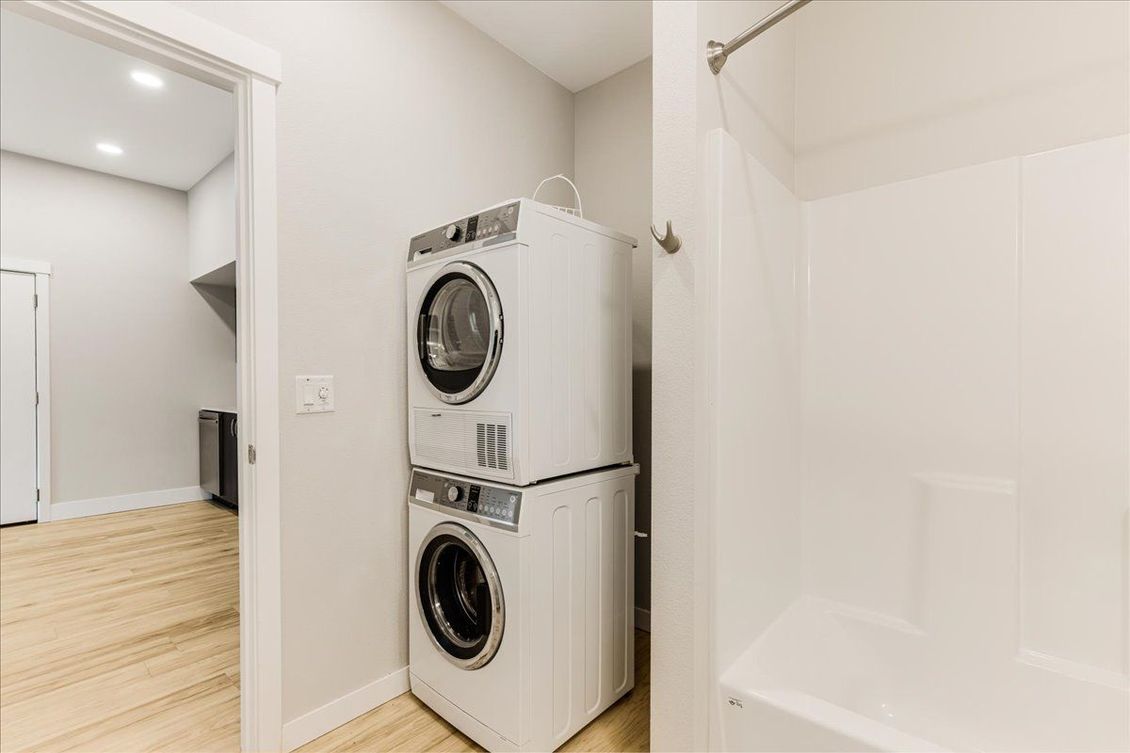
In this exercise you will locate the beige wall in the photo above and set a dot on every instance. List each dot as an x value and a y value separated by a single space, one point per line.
889 91
135 349
612 151
378 138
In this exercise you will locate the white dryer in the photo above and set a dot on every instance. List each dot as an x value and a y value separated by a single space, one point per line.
520 606
519 345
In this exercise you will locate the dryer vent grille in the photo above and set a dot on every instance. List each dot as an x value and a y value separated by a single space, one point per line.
474 442
491 444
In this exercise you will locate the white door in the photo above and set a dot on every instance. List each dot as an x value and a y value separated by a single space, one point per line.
18 471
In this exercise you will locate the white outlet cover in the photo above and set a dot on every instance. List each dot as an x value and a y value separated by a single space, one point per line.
313 394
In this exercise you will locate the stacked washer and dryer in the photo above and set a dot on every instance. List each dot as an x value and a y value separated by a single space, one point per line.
521 501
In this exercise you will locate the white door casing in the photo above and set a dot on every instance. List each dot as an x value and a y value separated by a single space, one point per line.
174 38
18 440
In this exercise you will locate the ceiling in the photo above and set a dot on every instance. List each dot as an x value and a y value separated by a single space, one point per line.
60 95
575 42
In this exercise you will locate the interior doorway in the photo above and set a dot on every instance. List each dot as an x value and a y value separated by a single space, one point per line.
166 45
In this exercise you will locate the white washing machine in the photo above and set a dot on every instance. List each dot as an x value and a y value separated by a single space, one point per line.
520 615
519 345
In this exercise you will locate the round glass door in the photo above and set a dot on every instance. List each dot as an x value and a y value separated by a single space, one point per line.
460 596
459 332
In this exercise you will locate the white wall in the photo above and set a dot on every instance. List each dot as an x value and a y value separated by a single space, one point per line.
612 152
753 100
918 331
888 91
1074 398
679 588
958 305
746 122
135 350
909 369
968 380
756 254
212 231
755 96
378 139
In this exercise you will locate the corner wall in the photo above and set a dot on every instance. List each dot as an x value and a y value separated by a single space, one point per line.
135 350
612 151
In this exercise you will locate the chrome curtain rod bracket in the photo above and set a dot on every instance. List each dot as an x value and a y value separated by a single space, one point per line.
716 52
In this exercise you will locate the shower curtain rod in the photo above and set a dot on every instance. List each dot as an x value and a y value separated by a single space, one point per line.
716 52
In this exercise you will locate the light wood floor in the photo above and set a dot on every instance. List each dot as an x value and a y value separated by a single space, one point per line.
120 633
404 724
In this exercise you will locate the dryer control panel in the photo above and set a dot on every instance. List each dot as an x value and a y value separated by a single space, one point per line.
467 497
481 227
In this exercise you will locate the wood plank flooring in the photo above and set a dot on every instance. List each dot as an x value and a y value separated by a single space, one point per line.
120 633
404 724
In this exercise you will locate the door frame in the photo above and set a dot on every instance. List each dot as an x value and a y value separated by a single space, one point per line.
176 39
42 272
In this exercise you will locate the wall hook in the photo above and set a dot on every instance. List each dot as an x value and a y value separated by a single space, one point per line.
670 242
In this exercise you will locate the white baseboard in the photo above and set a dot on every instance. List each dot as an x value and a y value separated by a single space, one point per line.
82 508
314 724
643 619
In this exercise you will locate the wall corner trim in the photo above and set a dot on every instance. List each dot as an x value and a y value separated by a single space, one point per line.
314 724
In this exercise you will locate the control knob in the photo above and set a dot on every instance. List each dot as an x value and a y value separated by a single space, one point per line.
452 232
454 493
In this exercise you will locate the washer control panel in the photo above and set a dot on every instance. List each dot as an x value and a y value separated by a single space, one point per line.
489 223
490 502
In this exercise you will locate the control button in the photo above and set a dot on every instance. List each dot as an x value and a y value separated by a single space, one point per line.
451 232
494 228
454 493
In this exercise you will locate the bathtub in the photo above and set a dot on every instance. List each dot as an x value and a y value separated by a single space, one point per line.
825 677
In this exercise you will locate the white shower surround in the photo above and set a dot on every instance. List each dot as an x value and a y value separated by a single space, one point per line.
925 546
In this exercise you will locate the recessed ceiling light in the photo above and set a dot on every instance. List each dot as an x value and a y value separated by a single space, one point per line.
107 148
147 79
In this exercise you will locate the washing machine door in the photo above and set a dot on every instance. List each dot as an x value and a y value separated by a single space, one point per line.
459 595
459 332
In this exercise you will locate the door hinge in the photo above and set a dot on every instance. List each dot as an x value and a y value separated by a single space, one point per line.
37 398
36 495
251 454
35 300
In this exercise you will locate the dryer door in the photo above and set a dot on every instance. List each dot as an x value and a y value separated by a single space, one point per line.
459 332
459 596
